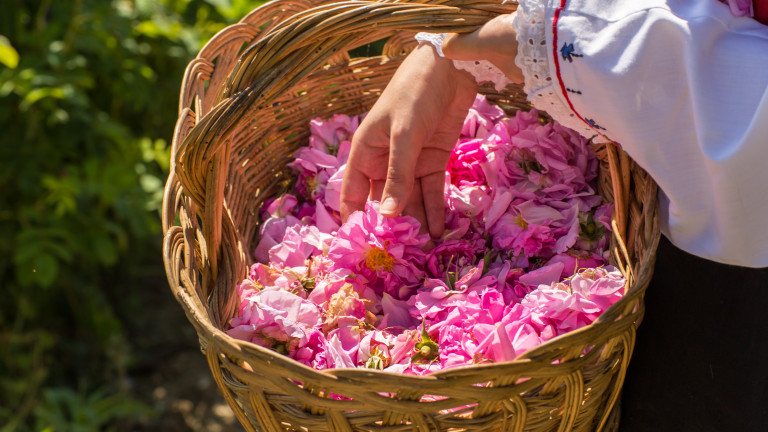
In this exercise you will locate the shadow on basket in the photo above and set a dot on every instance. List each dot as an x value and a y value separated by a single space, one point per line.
245 107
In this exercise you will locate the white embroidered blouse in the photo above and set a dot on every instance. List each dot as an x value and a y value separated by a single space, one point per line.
682 85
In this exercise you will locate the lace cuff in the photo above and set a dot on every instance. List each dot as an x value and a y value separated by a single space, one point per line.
532 49
540 86
482 70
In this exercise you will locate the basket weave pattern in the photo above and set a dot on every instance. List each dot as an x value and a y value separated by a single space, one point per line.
245 107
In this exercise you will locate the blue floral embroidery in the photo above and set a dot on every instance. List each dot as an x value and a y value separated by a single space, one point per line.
568 53
592 123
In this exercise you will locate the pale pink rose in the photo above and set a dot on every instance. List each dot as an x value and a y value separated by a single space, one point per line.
312 352
507 339
326 221
402 347
595 228
276 318
327 286
328 150
332 197
470 201
574 260
603 286
457 346
350 333
509 284
374 349
313 160
577 301
263 275
481 118
396 314
555 305
452 257
344 304
545 275
536 229
502 198
417 369
313 168
245 290
437 301
328 135
515 234
543 157
299 244
271 233
282 206
336 356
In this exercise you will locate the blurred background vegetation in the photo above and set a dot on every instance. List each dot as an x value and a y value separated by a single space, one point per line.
88 102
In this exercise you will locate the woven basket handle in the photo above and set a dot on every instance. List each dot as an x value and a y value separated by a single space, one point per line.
279 60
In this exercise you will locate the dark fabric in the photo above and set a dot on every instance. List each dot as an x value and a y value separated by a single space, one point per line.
701 357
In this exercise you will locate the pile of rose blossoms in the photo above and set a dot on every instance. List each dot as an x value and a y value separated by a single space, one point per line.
522 217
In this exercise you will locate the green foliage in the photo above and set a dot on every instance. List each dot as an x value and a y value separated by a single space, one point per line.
90 94
64 409
8 55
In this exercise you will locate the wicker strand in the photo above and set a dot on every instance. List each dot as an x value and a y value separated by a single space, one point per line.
617 176
627 343
519 413
262 411
212 355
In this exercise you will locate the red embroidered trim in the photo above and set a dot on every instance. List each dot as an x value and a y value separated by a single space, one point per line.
557 67
760 7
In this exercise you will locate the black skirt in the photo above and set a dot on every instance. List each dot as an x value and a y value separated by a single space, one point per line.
701 358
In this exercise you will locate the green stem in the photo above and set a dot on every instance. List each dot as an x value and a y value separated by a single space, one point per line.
42 12
74 24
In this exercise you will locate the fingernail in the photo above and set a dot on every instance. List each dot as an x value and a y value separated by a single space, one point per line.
388 206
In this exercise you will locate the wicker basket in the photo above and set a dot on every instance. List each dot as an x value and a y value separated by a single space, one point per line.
245 106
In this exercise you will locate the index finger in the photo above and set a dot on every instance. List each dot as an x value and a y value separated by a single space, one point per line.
355 188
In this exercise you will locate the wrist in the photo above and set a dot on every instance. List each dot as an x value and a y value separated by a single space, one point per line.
481 71
435 63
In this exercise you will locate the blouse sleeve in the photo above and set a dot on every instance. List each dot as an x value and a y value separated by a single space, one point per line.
682 86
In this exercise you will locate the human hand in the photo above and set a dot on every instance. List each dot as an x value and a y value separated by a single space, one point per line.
400 151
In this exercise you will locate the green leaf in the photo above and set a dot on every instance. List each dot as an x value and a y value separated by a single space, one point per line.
34 241
46 269
70 410
41 269
104 248
150 183
8 54
222 6
41 93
